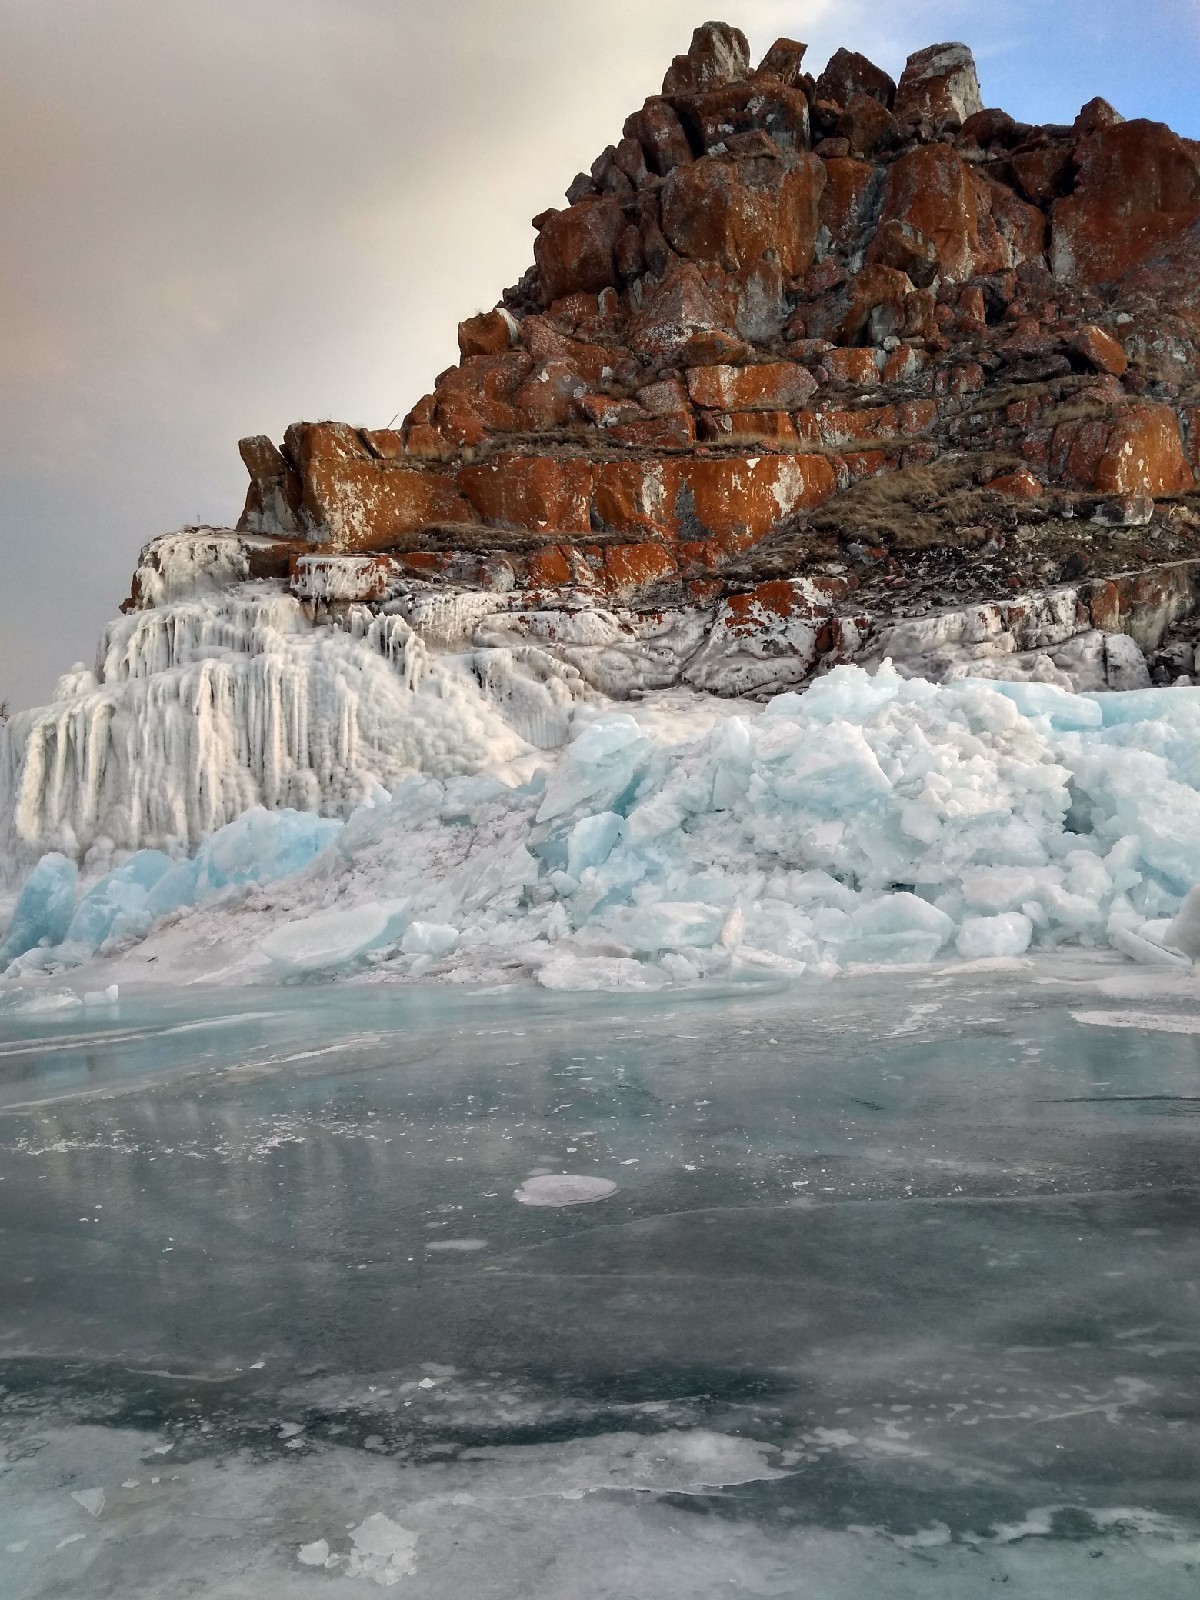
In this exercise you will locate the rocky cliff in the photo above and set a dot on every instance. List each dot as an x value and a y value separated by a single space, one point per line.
803 356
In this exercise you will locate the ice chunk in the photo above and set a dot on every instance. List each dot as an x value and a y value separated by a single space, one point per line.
116 907
1145 951
383 1550
429 939
1183 932
673 925
1007 934
898 928
44 907
568 971
329 939
590 842
563 1189
1124 664
262 846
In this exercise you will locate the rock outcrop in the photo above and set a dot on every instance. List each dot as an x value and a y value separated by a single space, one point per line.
834 350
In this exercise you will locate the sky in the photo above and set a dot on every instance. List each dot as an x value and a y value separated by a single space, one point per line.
223 216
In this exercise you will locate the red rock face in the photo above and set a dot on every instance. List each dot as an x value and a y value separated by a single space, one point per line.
770 289
731 213
1138 188
353 502
930 191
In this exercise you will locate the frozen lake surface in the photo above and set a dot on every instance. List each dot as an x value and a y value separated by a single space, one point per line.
883 1286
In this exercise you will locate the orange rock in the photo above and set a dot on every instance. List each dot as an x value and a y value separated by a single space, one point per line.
1044 172
738 500
784 60
531 492
1018 485
860 369
1138 188
629 567
966 379
680 307
274 501
718 54
666 398
930 189
548 568
575 250
478 394
386 443
637 496
1144 454
731 213
487 334
549 397
763 104
904 363
939 85
845 206
1137 451
595 363
1010 232
847 73
660 133
905 248
606 411
749 427
867 126
860 464
656 433
1100 350
357 503
773 386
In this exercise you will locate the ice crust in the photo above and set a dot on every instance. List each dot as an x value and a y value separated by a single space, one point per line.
872 819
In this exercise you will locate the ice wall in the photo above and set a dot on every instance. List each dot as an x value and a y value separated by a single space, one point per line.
204 707
871 819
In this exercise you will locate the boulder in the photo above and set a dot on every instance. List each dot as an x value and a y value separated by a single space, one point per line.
353 502
274 501
732 213
762 105
487 334
867 126
847 201
575 249
773 386
1045 171
931 190
1138 451
718 54
847 73
660 133
738 500
906 249
1100 350
939 85
679 308
785 61
1138 188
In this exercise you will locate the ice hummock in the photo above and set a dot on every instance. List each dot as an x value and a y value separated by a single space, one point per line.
872 819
